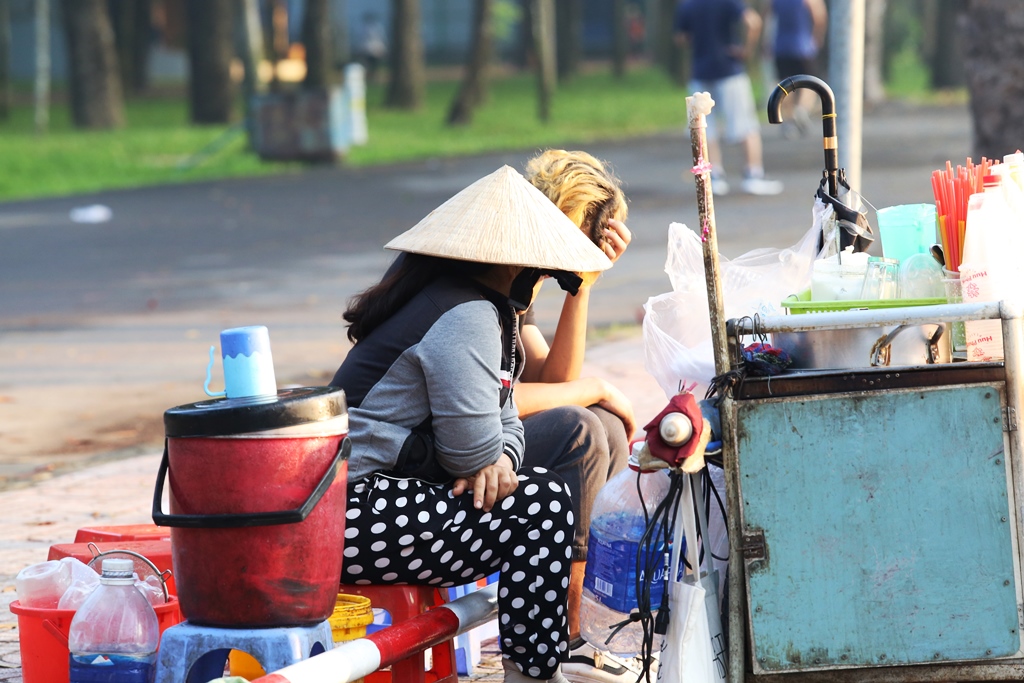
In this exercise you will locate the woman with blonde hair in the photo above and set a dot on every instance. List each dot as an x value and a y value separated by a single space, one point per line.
586 421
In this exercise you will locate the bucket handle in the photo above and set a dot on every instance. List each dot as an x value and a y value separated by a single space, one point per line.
245 519
54 631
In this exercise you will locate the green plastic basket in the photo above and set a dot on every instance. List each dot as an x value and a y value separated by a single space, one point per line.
799 303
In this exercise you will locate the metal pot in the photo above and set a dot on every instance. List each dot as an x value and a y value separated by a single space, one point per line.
867 346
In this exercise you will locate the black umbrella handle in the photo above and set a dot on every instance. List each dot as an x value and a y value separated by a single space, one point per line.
828 119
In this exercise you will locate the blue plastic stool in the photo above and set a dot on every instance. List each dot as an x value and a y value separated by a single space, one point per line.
197 654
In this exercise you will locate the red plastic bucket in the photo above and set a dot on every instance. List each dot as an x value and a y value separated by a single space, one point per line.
43 637
257 507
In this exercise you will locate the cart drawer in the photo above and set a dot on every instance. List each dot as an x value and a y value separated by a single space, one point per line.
888 528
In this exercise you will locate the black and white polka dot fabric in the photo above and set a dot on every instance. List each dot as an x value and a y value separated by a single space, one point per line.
408 531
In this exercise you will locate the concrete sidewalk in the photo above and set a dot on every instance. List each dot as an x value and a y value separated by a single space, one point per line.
121 492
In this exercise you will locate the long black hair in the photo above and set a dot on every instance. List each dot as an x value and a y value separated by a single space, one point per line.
407 276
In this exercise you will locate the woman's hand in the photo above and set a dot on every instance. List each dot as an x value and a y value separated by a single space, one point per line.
616 238
490 484
615 402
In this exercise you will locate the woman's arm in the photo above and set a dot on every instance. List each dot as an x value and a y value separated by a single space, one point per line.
587 391
460 358
563 360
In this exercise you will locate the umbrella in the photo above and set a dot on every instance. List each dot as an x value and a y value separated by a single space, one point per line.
856 230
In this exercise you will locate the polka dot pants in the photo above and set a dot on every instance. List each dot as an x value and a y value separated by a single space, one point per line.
407 531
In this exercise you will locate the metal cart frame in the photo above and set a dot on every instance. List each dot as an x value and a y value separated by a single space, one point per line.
924 655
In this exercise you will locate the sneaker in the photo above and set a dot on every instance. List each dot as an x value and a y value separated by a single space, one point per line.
719 186
587 664
762 186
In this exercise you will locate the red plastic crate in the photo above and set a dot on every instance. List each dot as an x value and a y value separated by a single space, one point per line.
124 532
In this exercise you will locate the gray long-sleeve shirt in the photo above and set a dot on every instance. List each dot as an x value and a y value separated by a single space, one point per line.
443 358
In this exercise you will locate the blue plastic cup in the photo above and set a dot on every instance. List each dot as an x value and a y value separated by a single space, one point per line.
248 363
906 229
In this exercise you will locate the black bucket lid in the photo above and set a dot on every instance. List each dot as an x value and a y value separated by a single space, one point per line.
229 416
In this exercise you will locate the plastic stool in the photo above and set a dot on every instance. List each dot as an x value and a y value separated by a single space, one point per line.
405 602
197 654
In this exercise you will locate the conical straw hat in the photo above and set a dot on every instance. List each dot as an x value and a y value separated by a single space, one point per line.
503 219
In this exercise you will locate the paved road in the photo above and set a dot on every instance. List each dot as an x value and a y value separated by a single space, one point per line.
102 327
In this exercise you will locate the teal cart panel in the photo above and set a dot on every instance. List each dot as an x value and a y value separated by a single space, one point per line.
888 532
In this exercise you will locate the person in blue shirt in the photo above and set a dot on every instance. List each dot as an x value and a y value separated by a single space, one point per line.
721 35
800 27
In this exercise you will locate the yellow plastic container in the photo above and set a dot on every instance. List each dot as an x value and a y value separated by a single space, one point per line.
352 614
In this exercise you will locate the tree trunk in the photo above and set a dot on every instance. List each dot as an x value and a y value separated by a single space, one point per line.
252 52
620 39
93 77
5 59
946 59
569 38
210 49
41 82
543 14
474 84
318 38
133 26
874 51
674 58
407 85
993 33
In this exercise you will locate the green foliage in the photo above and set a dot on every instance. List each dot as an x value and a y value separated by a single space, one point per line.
594 106
158 139
505 19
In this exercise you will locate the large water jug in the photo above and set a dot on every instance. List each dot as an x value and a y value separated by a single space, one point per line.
610 582
115 633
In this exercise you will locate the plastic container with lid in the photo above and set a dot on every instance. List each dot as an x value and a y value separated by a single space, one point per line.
257 501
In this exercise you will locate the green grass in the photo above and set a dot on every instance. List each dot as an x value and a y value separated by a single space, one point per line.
147 152
594 106
157 139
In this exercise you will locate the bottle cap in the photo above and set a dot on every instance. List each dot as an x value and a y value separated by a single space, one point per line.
118 568
991 180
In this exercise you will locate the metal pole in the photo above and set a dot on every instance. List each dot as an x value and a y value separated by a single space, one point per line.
698 106
42 80
846 76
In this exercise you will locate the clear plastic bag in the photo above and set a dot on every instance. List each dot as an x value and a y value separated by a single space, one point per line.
677 325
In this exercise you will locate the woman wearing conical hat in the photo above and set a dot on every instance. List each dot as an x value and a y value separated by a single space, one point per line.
579 427
437 491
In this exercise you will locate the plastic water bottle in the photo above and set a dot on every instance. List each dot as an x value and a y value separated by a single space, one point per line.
115 633
609 584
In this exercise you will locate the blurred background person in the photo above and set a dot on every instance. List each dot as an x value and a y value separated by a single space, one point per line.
721 35
799 28
373 46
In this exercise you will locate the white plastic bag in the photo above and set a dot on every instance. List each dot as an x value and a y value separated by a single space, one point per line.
677 325
693 650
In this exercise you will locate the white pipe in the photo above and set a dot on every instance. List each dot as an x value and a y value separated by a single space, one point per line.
848 320
355 659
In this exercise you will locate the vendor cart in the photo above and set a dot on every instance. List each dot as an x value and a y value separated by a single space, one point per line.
874 512
879 522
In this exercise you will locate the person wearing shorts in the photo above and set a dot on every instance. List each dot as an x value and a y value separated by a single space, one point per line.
800 27
721 34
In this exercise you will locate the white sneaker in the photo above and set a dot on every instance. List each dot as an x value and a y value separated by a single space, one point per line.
587 664
762 186
719 186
